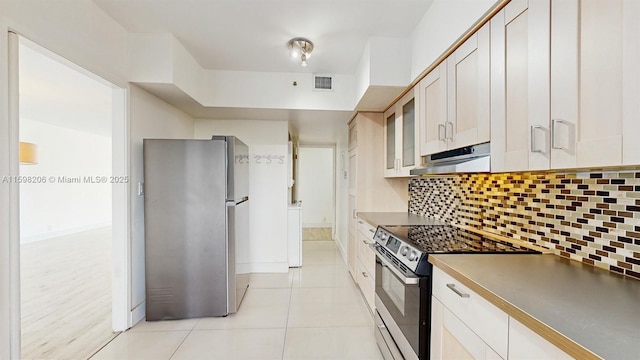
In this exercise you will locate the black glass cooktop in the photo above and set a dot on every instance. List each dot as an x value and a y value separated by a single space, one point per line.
448 239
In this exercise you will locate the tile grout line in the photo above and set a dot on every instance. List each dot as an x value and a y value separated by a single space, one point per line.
286 325
105 345
182 342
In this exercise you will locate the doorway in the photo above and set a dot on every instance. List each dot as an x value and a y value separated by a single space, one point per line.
70 122
316 190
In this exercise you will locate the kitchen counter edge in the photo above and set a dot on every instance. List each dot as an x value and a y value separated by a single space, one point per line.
548 333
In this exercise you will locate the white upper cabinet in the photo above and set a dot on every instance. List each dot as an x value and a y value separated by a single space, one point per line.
454 98
468 86
520 49
433 106
594 82
564 84
401 137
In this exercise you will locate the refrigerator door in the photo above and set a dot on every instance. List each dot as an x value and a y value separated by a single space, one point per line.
185 228
238 215
238 235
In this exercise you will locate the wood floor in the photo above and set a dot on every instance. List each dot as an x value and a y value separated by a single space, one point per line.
66 296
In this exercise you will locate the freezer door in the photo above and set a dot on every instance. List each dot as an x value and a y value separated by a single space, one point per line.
185 228
238 168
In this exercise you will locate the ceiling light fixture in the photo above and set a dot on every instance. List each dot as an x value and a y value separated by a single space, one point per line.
300 48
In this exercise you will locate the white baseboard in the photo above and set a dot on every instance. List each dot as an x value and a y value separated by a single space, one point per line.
58 233
342 249
281 267
138 313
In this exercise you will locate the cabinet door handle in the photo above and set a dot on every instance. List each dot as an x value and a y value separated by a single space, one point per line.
460 293
442 132
554 122
365 274
448 123
372 231
360 222
534 148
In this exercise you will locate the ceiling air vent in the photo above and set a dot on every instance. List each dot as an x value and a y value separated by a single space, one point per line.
322 82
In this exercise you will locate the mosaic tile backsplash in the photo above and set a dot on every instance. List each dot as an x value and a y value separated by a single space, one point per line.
592 217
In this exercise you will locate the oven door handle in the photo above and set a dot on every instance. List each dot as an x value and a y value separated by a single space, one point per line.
404 278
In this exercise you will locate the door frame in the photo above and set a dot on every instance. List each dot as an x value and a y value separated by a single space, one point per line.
10 332
334 171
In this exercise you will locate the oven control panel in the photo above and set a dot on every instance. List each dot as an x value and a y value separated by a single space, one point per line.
404 252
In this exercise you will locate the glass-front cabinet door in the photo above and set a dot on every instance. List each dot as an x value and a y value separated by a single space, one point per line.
391 160
401 152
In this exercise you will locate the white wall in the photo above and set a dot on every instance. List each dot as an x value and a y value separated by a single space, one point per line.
316 181
150 118
441 26
267 186
55 208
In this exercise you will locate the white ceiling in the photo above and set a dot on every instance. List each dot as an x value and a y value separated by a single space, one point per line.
247 35
251 35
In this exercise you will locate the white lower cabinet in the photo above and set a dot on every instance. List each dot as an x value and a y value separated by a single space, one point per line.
464 325
365 276
526 344
452 339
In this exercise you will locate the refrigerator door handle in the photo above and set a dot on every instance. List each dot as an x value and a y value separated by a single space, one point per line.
235 203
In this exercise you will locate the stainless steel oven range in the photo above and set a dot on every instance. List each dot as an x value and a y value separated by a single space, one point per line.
403 281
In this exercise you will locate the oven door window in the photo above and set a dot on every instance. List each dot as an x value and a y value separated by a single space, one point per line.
394 289
401 300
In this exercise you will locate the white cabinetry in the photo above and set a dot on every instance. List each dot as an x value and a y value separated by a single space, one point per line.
454 98
368 190
464 325
352 204
520 53
401 137
468 83
594 76
366 263
488 323
452 339
565 84
433 106
526 344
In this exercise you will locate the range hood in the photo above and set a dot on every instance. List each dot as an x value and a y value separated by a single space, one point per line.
474 158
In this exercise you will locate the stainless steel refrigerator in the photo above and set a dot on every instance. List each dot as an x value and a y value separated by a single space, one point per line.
196 218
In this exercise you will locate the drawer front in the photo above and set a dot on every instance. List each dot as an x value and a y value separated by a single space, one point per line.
367 285
366 229
365 254
482 317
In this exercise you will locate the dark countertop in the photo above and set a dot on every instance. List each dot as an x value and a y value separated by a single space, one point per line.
579 308
395 218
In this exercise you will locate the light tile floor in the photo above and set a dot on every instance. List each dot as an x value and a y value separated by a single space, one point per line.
313 312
